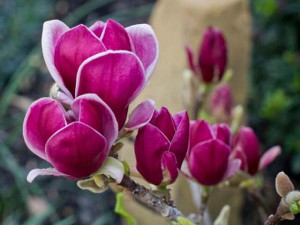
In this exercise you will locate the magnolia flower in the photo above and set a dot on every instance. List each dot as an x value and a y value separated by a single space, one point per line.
212 56
208 156
75 142
161 145
106 59
246 148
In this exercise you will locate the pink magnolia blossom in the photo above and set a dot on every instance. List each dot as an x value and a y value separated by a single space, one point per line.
161 146
106 59
246 148
208 157
75 142
212 56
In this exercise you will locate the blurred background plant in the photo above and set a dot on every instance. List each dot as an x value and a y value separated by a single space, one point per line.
274 103
24 78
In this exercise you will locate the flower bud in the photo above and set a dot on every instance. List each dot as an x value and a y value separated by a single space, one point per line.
246 148
221 103
208 156
161 145
212 55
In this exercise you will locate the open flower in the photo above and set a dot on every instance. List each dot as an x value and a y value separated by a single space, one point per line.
161 145
209 151
246 148
212 56
106 59
75 142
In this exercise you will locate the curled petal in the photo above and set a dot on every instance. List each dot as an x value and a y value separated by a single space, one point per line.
237 153
165 123
97 28
45 172
233 167
145 45
115 37
43 118
269 157
200 131
180 141
77 150
208 161
149 146
72 48
170 165
52 30
117 77
93 111
141 115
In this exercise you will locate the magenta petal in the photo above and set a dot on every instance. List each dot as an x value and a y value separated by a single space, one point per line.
116 77
269 157
222 132
165 123
93 111
44 172
52 30
141 115
149 146
249 144
208 161
115 37
190 58
169 163
180 141
72 48
43 118
77 150
233 167
199 131
97 28
145 45
237 153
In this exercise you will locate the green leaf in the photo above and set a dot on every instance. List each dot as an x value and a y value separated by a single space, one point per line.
184 221
120 209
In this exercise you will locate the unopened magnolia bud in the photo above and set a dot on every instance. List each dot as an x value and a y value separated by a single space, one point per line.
283 184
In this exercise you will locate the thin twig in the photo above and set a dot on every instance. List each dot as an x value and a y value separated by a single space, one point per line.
169 212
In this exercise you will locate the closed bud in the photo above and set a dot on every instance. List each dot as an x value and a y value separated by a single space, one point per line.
212 55
161 146
221 103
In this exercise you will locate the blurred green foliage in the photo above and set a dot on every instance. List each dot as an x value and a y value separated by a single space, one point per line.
274 106
24 78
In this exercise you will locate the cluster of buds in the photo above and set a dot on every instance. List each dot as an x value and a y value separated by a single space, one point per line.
290 200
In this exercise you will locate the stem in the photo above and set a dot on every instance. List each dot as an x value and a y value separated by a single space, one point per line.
203 205
281 211
143 195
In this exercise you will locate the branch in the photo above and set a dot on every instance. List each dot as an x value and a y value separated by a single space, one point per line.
169 212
